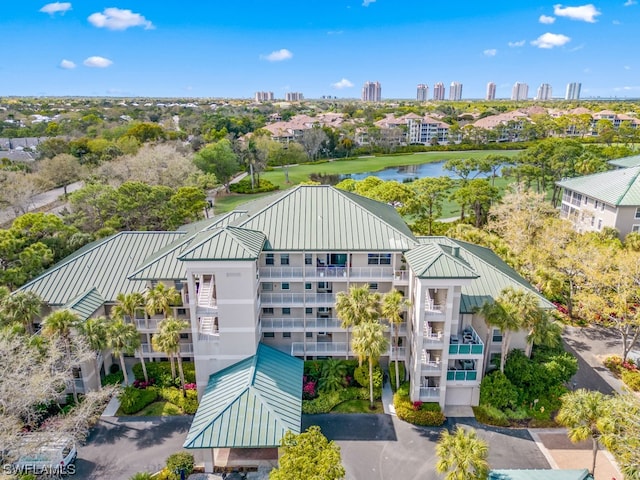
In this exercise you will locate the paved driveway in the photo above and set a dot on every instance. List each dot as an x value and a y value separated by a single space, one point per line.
118 447
381 447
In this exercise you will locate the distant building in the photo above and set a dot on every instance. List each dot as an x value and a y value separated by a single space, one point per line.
573 91
371 92
544 92
264 96
455 91
491 91
438 91
294 97
422 93
520 91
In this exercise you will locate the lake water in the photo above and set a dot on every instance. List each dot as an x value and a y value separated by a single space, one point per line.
411 172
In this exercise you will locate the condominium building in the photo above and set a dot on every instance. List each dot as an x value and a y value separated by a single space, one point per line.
264 96
573 91
455 91
422 93
491 91
544 92
438 91
520 91
294 97
371 92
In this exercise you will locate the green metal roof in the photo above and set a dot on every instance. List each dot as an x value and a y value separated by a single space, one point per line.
250 404
320 217
617 187
86 303
105 265
230 243
433 261
493 274
539 474
626 162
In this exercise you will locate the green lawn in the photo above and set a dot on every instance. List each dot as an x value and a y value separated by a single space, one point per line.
160 408
300 173
357 406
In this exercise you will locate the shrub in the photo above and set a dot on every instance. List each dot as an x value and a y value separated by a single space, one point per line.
180 461
161 372
114 368
392 374
244 186
361 375
308 389
113 379
313 369
188 402
631 379
133 400
417 413
141 384
496 390
333 375
141 476
325 402
491 415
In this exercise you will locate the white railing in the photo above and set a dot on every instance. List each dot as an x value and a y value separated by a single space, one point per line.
293 324
430 366
148 349
429 392
298 298
337 272
208 326
401 276
320 348
399 353
148 324
434 308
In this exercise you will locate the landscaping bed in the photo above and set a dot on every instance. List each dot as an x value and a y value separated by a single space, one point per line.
426 414
627 371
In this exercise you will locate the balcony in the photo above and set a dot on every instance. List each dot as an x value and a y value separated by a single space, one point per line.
148 351
307 299
462 375
401 277
332 272
471 344
320 348
397 353
299 324
147 324
429 394
435 312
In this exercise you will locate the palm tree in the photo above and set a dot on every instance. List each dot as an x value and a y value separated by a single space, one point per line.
357 305
462 455
126 306
122 338
585 413
542 331
22 307
393 303
369 341
167 340
94 331
60 325
160 298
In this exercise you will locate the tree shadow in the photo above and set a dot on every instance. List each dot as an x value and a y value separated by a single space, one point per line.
353 426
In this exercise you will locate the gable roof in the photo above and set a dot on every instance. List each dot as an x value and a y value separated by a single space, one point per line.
230 243
86 304
320 217
250 404
626 162
104 265
617 187
493 274
436 261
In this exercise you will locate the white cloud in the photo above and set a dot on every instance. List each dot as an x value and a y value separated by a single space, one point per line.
344 83
366 3
546 19
67 64
118 19
278 55
586 13
490 52
56 7
519 43
550 40
628 3
97 62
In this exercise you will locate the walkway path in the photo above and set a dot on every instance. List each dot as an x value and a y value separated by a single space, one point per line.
387 399
39 202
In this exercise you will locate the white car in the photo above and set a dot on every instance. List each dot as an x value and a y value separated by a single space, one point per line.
52 458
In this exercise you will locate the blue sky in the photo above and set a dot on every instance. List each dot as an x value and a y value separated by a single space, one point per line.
317 47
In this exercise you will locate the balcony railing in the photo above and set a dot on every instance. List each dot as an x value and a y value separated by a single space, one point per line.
299 324
298 298
320 348
399 353
337 272
471 344
431 367
147 349
462 375
147 324
429 393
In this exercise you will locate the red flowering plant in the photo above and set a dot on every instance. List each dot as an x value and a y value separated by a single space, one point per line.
417 405
308 388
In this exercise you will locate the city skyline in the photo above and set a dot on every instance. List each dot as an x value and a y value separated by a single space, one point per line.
202 50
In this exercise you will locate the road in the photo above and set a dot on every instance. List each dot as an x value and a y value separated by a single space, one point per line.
39 201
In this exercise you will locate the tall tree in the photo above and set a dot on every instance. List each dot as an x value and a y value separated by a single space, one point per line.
478 194
167 340
462 455
308 455
127 304
357 306
218 158
60 325
160 298
393 304
61 170
369 341
586 415
123 339
94 330
23 307
426 202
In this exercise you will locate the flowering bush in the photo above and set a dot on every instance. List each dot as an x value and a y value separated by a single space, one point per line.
190 386
141 384
308 389
417 405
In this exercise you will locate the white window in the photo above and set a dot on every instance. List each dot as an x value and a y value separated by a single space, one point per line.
308 259
267 311
373 286
635 228
286 311
284 259
599 224
285 286
268 260
267 287
637 212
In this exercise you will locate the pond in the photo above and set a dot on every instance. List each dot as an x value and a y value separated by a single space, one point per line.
408 173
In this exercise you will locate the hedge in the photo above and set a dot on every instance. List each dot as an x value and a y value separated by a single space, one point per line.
325 402
188 403
113 379
631 379
418 413
244 186
161 372
133 399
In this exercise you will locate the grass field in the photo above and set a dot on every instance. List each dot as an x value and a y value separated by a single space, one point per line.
300 173
357 406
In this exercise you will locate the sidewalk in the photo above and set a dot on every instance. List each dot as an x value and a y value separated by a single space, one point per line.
114 403
387 398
